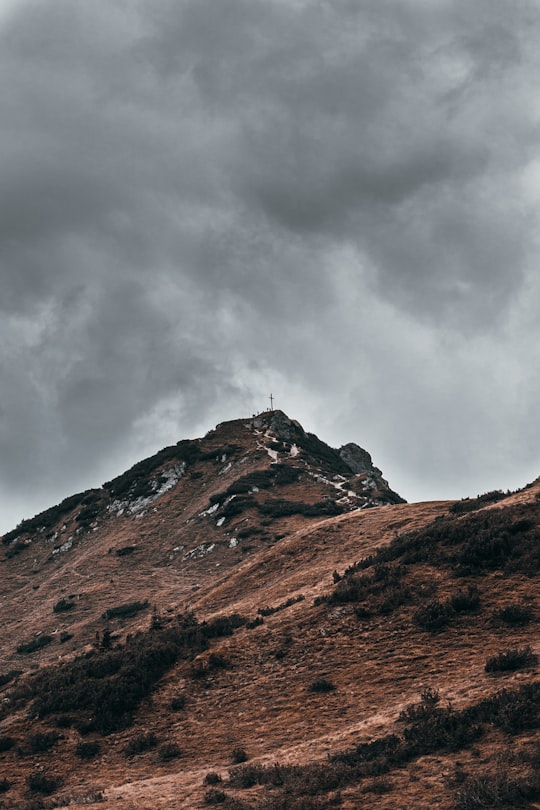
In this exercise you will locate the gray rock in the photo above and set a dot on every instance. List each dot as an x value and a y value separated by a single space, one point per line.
356 458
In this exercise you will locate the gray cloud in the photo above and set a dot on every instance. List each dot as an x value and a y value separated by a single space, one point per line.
334 200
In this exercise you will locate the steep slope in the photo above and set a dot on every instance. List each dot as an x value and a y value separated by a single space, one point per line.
302 643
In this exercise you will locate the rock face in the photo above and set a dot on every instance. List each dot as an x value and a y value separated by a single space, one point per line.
358 459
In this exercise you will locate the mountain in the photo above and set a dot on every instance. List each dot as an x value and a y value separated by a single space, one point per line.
255 619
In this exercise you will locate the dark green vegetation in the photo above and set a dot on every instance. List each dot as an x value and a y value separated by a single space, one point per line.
505 540
269 611
511 660
63 605
276 475
88 750
7 677
125 611
35 644
105 687
40 782
140 743
472 504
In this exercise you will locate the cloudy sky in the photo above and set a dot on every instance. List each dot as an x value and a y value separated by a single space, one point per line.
205 201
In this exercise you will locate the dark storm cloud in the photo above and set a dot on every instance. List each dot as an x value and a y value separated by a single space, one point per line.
200 201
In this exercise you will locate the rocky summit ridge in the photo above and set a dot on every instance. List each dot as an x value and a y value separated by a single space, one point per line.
255 619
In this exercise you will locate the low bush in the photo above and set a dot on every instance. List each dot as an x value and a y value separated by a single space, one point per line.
125 551
215 796
63 605
41 742
168 752
7 677
429 698
212 778
321 685
471 504
513 614
177 703
278 507
5 785
40 782
140 743
6 742
239 755
512 710
467 601
269 611
125 611
511 660
498 790
382 588
434 615
35 644
216 661
88 750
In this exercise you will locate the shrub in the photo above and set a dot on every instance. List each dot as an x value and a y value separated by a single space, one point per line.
35 644
321 685
440 729
63 605
418 711
177 703
212 778
471 504
513 614
65 636
87 750
269 611
239 755
140 743
465 601
214 796
217 661
42 741
124 551
168 752
278 507
125 611
5 785
434 616
6 742
39 782
512 710
6 677
498 790
511 660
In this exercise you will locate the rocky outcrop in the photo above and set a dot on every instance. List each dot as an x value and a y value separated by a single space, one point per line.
357 459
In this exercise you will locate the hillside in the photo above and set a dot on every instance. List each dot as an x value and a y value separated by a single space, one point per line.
256 620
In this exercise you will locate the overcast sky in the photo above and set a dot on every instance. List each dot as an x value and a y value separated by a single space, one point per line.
205 201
